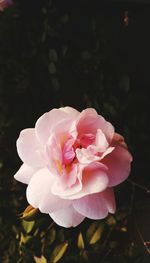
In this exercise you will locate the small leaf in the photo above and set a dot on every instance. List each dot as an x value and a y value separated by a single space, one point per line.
24 239
94 232
58 252
52 68
28 226
51 236
29 213
80 242
42 259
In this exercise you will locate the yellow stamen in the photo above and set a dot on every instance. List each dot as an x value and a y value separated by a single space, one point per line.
59 166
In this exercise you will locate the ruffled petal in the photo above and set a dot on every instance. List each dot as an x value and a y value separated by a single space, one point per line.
119 165
86 156
94 179
24 174
73 113
91 179
29 149
96 206
39 193
46 123
101 141
89 122
67 217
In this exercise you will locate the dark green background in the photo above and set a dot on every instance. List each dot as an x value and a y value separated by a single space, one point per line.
81 54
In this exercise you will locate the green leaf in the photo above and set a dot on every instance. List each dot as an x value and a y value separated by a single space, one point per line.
58 252
80 241
42 259
28 226
24 239
94 232
51 236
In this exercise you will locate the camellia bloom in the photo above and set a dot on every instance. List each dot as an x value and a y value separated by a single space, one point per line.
71 161
4 4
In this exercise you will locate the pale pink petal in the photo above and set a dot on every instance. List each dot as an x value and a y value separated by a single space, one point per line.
24 174
96 206
73 113
101 141
46 123
66 192
89 122
86 156
67 217
119 165
94 179
54 155
69 175
90 179
39 193
29 149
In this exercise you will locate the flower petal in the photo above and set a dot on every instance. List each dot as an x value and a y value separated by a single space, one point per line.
29 149
67 217
47 122
39 193
96 206
94 179
24 174
86 156
101 141
73 113
89 122
66 192
119 139
119 165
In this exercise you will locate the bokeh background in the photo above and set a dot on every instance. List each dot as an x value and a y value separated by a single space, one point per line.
82 54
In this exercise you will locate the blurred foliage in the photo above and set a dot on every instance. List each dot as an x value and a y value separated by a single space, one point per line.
82 54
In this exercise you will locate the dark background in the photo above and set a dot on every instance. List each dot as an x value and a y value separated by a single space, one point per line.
81 54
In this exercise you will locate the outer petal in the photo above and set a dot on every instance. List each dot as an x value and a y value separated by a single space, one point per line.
73 113
96 206
4 4
29 149
67 217
119 139
119 165
24 174
91 179
89 122
47 122
39 193
94 179
66 192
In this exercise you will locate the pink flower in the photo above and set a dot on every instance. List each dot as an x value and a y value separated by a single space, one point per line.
4 4
71 161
